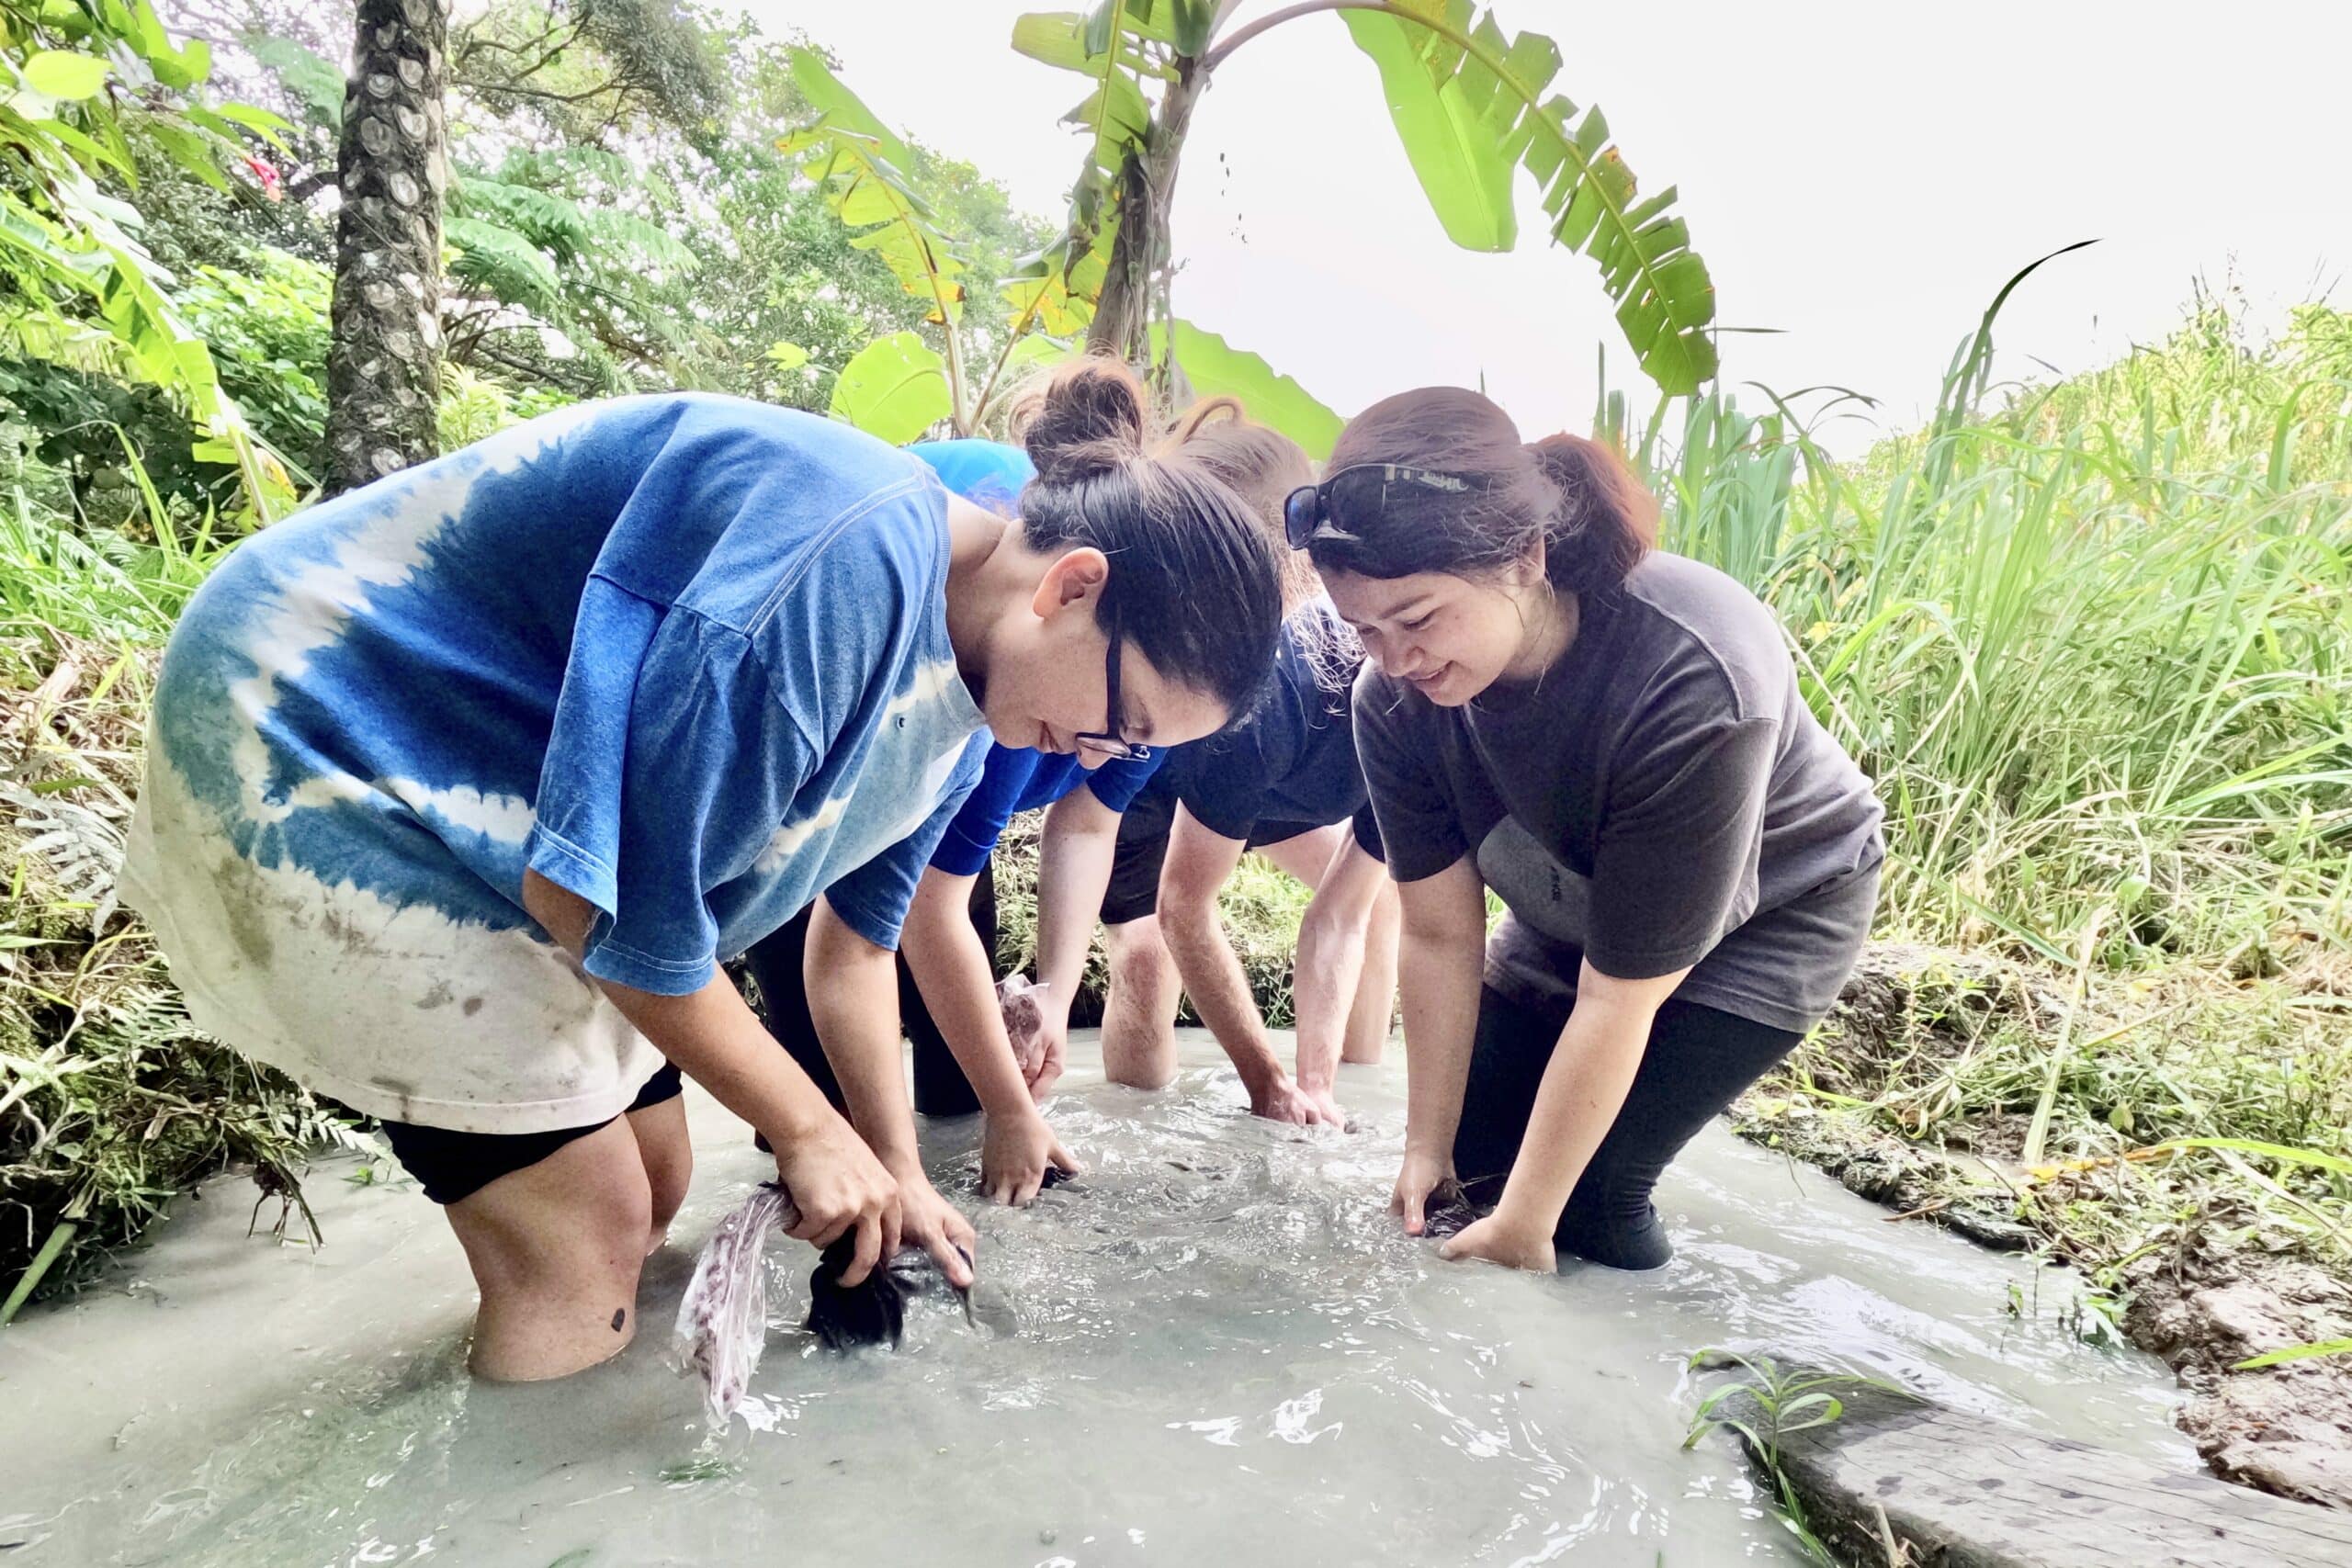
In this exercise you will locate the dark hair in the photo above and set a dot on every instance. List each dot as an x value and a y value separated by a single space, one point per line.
1593 518
1195 577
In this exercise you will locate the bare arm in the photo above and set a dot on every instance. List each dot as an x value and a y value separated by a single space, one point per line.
853 988
1331 959
1440 961
713 1037
1199 863
951 968
1583 1089
1073 869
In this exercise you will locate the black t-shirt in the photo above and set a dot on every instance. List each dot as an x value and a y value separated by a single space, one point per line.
1661 800
1293 762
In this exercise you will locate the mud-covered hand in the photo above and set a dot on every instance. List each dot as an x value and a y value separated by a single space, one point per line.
1279 1099
936 1225
1422 1175
1015 1153
1503 1238
838 1186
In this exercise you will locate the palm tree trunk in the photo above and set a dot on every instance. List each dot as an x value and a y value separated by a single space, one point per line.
384 366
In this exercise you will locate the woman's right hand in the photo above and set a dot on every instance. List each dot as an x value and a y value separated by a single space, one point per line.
1015 1150
1422 1174
837 1185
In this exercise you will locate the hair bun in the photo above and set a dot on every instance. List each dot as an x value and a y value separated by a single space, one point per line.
1090 418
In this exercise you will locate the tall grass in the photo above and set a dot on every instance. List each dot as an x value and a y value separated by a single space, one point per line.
2092 642
110 1102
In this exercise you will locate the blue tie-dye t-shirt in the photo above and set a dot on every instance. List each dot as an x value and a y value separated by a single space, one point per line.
686 656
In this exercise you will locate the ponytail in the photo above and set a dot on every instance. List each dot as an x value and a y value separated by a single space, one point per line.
1573 497
1604 521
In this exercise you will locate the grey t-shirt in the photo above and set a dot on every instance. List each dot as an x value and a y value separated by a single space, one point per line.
1661 800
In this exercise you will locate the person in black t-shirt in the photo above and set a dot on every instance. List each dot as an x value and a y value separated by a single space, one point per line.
1612 739
1285 784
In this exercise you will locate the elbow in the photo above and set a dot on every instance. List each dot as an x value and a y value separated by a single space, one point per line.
834 943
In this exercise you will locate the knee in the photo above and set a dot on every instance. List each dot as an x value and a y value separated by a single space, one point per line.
1137 959
1613 1222
596 1240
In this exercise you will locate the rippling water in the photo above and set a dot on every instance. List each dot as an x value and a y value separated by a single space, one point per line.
1216 1348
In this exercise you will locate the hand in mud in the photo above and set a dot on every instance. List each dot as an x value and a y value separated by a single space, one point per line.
935 1225
1053 1051
1422 1175
837 1185
1327 1103
1280 1100
1016 1154
1501 1238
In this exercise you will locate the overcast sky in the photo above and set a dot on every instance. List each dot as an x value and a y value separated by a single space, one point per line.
1861 175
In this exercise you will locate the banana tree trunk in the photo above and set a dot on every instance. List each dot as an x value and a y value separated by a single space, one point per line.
1140 251
384 363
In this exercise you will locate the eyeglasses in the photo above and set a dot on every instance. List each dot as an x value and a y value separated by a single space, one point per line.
1106 744
1308 514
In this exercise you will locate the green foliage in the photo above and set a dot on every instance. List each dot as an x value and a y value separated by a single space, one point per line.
1765 1405
316 82
76 289
110 1102
1118 46
2089 645
1218 369
896 387
266 323
1461 163
1484 101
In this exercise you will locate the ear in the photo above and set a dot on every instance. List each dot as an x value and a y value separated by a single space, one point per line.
1075 575
1528 571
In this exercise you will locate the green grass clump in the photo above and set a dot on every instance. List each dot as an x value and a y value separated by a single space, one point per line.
2092 646
110 1102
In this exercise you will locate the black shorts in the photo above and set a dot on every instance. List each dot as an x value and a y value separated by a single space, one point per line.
1134 891
454 1165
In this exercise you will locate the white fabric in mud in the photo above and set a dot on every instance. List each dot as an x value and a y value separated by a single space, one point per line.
686 656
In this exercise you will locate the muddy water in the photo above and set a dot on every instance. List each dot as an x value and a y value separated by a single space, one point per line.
1217 1351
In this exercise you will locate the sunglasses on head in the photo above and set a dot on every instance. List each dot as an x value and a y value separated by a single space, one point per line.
1308 514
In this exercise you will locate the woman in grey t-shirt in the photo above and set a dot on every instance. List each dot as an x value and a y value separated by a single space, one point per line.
1612 739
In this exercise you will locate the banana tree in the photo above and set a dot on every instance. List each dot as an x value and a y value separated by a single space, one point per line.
1472 105
899 386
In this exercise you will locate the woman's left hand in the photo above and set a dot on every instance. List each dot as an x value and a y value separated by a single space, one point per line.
1501 1238
932 1223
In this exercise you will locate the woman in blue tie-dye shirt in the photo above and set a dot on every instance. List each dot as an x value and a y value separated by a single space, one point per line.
460 787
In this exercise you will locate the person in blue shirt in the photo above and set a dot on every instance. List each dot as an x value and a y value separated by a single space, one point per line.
1285 785
949 940
460 787
964 1061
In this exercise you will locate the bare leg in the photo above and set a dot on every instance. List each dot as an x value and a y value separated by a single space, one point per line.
1372 1015
555 1249
1140 1014
669 1157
